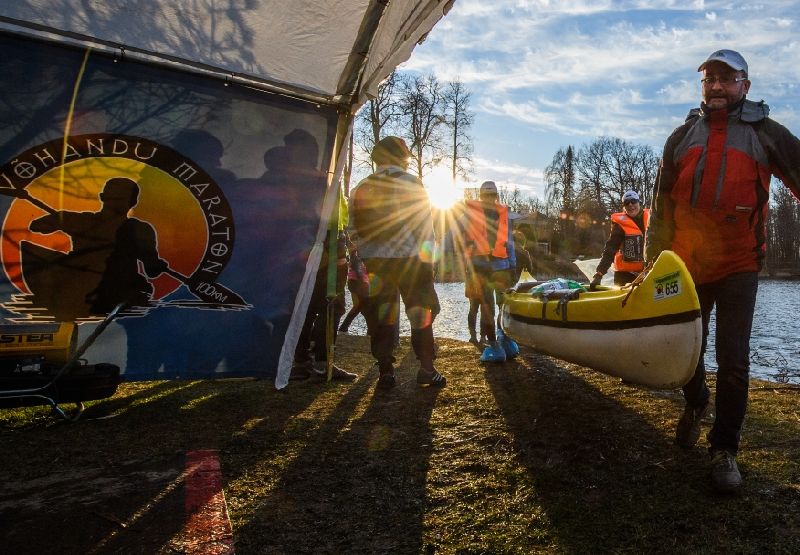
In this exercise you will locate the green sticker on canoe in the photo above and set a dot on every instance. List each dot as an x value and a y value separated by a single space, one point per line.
667 286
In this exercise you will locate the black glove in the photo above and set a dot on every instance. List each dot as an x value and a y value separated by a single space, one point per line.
595 281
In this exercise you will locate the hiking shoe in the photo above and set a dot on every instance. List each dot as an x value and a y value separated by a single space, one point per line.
320 369
493 353
300 371
687 432
431 378
386 379
343 375
725 476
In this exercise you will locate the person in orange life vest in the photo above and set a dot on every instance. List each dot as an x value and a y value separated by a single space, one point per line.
625 245
473 288
473 291
491 260
710 207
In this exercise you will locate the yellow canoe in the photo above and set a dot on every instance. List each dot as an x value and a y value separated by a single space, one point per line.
649 336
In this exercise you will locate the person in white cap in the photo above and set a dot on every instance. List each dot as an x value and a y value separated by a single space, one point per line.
625 244
490 260
710 207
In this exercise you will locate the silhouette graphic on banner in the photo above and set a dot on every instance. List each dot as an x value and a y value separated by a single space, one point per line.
102 270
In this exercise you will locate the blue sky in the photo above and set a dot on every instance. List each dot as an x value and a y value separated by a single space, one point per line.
549 73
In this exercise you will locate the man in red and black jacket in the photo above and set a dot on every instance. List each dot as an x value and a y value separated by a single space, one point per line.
710 207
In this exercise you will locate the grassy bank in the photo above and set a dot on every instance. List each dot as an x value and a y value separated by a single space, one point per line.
534 456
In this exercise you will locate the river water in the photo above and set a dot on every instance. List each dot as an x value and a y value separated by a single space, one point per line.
774 344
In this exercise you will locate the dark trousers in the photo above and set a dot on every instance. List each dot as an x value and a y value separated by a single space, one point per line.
735 299
472 315
414 281
316 322
493 284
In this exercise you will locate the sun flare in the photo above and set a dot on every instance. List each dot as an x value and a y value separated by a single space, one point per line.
442 192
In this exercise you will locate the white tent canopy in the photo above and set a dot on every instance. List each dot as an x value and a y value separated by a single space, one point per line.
331 51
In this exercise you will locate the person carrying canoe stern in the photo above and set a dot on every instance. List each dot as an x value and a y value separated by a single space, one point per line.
710 207
625 245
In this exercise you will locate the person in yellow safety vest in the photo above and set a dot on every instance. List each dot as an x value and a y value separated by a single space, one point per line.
490 258
626 242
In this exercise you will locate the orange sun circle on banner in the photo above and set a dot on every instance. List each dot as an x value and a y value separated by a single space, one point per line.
164 203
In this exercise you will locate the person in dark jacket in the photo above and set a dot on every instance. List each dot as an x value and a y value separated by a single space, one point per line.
392 229
710 207
311 353
625 245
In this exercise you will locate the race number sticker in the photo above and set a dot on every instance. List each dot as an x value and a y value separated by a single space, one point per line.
667 286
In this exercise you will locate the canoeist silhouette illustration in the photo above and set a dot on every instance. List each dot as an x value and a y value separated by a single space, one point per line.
111 258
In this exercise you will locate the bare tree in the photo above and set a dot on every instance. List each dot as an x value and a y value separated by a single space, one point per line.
591 163
559 179
377 118
608 167
512 198
421 106
783 231
533 205
458 118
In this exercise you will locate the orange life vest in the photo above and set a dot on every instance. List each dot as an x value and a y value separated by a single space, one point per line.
630 255
477 234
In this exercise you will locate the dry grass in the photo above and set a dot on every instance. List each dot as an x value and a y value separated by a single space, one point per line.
534 456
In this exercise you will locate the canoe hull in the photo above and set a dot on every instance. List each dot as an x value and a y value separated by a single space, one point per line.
653 340
665 363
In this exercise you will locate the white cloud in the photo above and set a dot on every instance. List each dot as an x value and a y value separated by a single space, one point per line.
626 68
586 117
530 181
682 92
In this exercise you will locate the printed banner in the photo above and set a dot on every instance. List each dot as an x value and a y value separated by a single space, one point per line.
191 204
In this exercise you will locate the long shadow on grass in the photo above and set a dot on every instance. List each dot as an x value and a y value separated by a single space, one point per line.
607 480
114 485
356 483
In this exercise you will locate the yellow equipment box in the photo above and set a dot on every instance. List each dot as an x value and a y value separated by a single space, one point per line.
52 344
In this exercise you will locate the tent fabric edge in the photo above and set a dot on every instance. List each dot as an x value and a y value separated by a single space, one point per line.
49 34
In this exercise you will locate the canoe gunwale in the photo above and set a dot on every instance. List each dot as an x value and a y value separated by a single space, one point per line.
662 320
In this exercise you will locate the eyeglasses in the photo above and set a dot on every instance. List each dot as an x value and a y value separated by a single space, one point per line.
724 80
627 202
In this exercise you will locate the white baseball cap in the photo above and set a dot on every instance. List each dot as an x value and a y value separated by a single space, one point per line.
729 57
488 188
630 195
